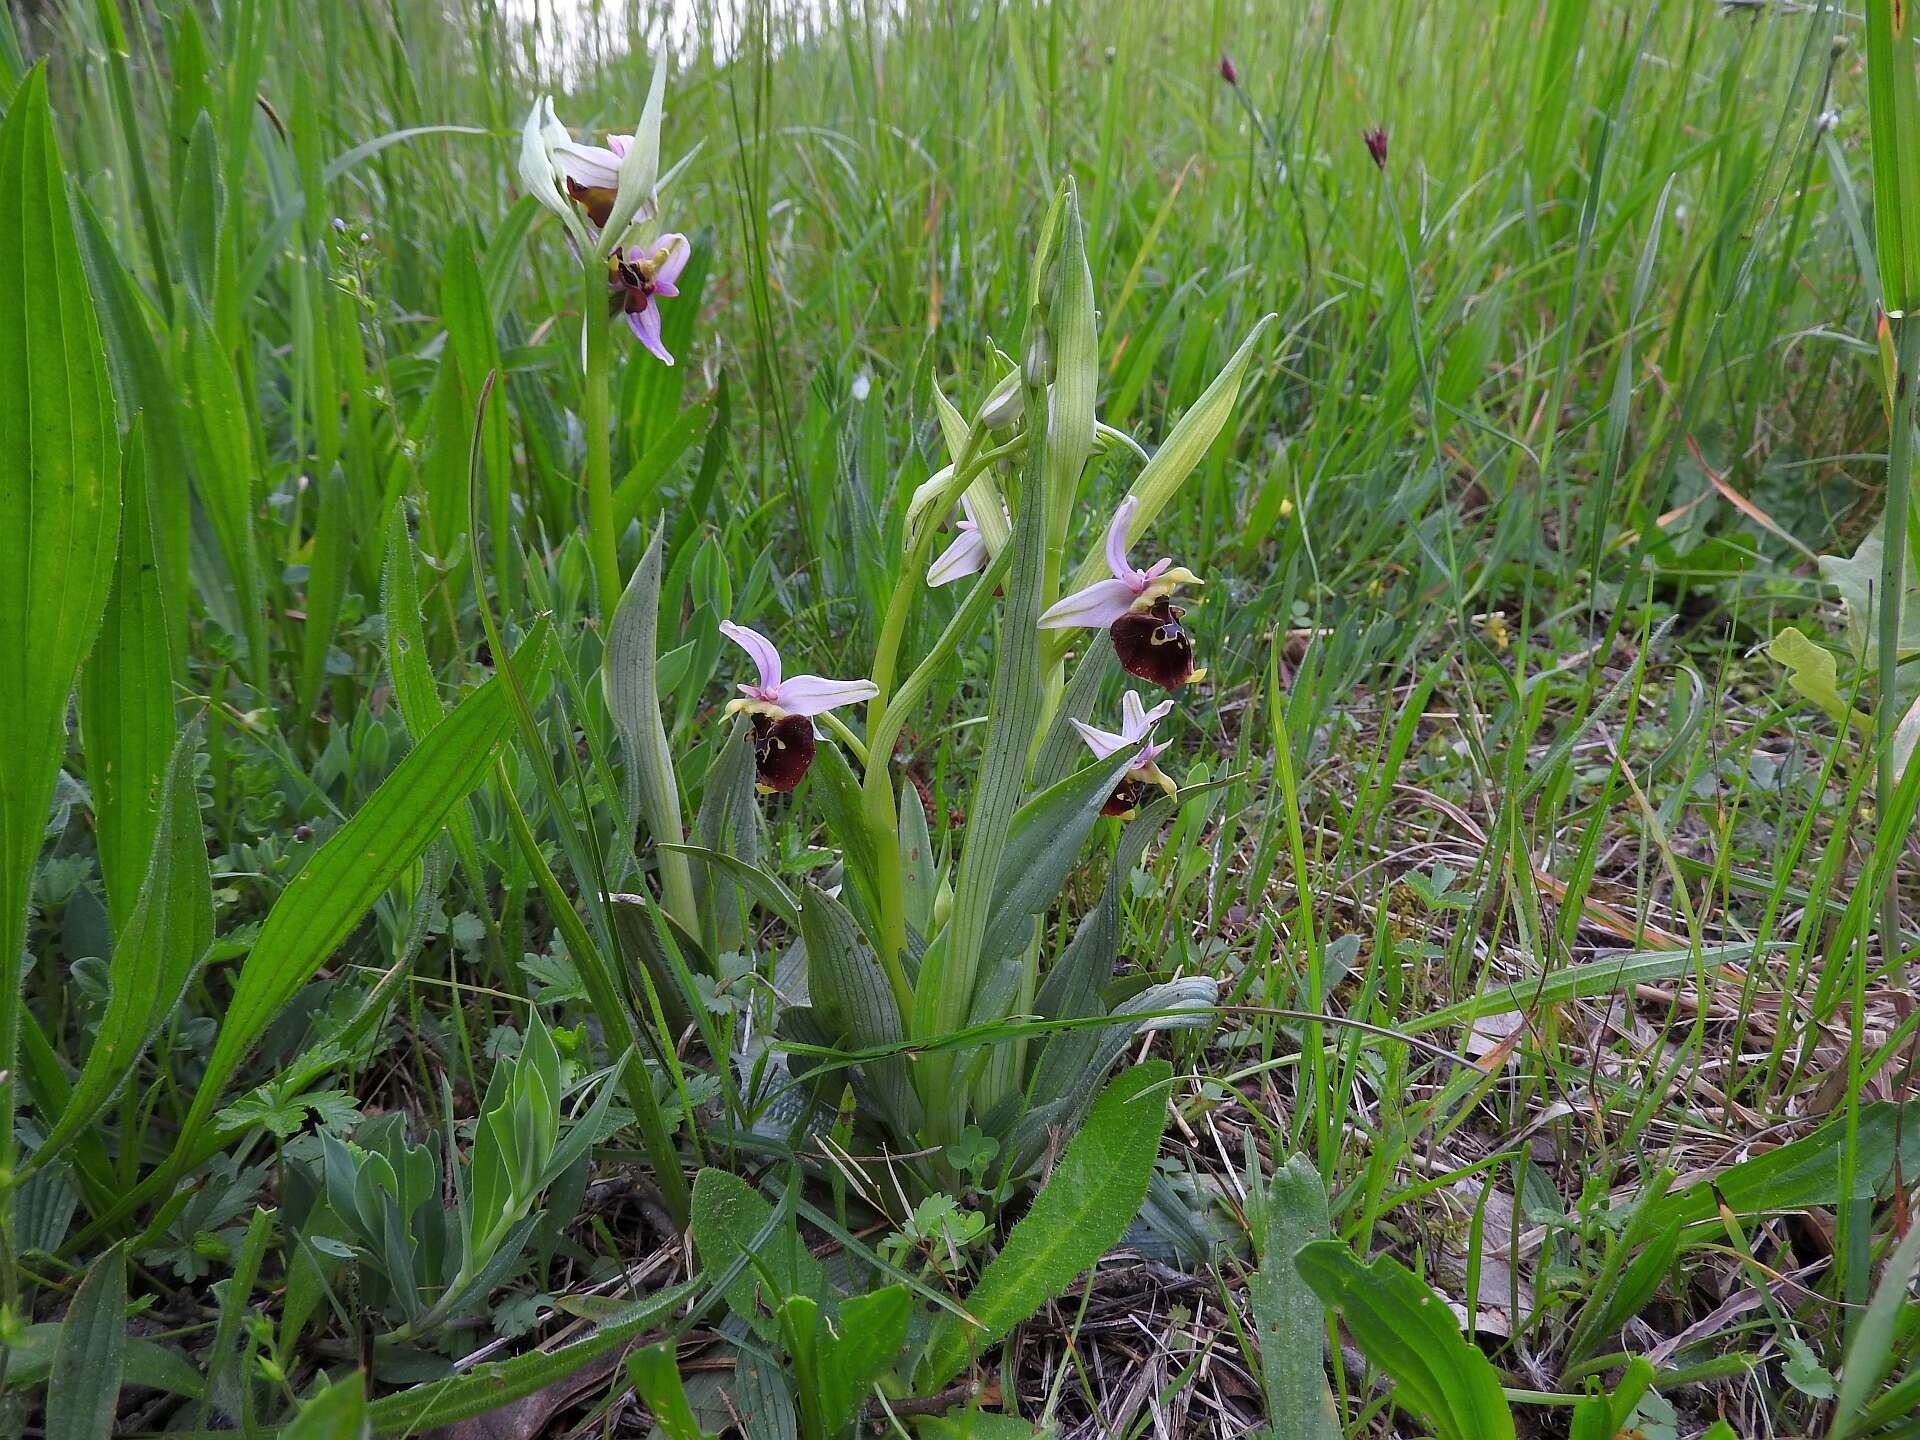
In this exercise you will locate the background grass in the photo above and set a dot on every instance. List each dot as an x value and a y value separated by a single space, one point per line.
1562 401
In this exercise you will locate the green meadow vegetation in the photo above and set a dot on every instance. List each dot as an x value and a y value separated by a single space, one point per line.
1087 719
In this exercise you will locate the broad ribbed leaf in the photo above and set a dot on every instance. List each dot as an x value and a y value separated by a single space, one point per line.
1091 1197
1409 1332
126 699
1292 1331
155 953
731 1219
322 904
84 1389
59 511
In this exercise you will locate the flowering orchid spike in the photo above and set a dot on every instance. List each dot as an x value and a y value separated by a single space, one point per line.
1134 607
1136 730
779 708
640 277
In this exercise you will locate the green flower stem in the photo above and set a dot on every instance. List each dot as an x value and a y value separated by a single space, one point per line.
881 814
886 650
602 544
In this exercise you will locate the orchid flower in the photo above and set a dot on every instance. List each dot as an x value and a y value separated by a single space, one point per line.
967 555
1136 729
557 169
641 276
1134 608
780 706
614 184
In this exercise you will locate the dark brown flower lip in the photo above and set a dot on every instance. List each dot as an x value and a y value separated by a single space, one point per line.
596 200
782 751
1153 645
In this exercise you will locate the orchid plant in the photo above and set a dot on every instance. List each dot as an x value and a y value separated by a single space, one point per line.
608 198
898 948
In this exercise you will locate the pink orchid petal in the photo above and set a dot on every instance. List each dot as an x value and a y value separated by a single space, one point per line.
590 166
1157 569
678 250
1096 607
966 556
618 144
1102 742
811 694
1136 721
765 658
1117 539
646 329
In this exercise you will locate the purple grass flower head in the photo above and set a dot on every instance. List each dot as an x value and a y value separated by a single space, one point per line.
642 277
780 707
1376 139
1136 734
1136 610
1227 71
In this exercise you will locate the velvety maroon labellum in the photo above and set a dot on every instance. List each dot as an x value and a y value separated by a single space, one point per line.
1124 800
782 750
1154 645
596 200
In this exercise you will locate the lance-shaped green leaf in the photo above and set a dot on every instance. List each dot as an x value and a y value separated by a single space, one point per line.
851 998
630 677
339 1412
1293 1335
322 904
1409 1332
84 1389
635 201
126 699
1076 369
1161 477
1085 1207
155 953
59 511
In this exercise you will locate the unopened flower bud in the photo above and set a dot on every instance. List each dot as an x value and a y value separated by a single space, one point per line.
1005 405
1037 368
1376 139
1227 72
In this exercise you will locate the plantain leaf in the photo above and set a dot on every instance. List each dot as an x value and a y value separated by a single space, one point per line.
155 954
340 883
59 512
729 1216
126 699
339 1412
1085 1207
488 1387
1409 1332
873 1328
88 1361
656 1376
1293 1337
